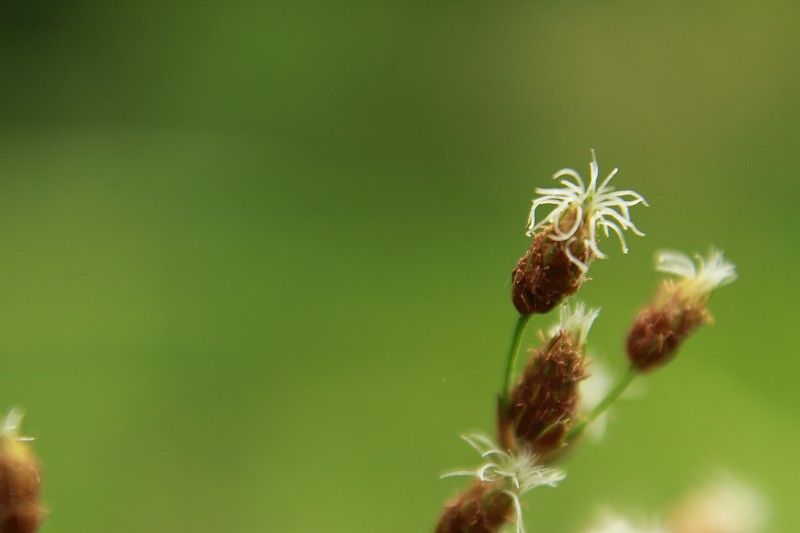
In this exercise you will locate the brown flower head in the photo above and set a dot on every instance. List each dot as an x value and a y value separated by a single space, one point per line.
544 403
565 241
678 308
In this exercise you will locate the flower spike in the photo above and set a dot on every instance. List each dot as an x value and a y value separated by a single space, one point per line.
678 308
565 240
544 402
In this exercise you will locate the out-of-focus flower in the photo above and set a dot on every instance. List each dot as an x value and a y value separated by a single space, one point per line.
20 479
698 278
725 505
678 308
593 390
613 523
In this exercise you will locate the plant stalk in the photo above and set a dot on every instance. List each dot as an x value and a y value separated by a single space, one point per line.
511 360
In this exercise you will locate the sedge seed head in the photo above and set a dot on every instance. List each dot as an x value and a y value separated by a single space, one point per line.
545 401
565 240
678 308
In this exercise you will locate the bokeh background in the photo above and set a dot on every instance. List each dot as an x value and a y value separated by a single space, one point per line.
254 255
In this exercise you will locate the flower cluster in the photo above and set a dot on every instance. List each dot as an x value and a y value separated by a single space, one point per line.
725 505
542 414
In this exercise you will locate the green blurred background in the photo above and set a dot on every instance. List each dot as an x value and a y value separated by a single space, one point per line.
254 256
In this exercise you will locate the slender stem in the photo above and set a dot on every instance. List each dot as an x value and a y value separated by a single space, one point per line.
511 361
612 395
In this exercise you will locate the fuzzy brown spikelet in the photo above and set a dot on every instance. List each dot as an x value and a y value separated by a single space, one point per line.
545 400
545 275
20 479
482 508
657 333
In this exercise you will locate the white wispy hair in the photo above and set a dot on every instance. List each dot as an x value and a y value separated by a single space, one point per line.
10 427
575 320
700 276
594 205
518 469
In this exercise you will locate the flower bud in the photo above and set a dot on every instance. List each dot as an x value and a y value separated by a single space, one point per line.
544 403
20 479
725 505
678 308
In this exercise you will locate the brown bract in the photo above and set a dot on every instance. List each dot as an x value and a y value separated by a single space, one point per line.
545 274
20 479
658 332
545 400
482 508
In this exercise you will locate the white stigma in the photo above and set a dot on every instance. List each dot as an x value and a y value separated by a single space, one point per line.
576 321
700 276
10 426
518 469
593 206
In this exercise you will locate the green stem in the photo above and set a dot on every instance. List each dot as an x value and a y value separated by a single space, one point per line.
511 361
612 395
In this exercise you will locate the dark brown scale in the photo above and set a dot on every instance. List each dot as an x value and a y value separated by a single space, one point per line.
544 402
657 334
545 275
482 508
20 477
